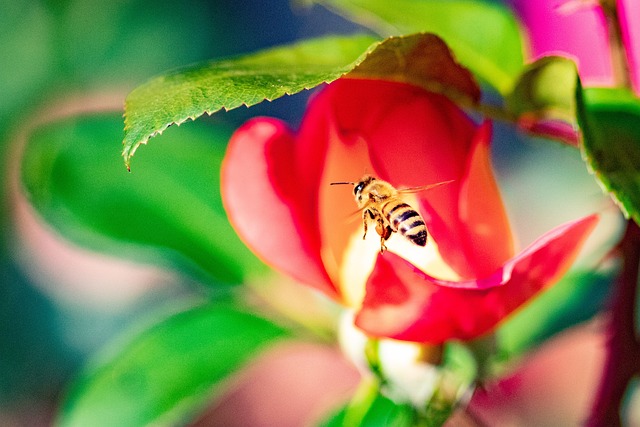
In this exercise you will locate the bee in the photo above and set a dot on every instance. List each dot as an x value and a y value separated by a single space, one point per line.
381 202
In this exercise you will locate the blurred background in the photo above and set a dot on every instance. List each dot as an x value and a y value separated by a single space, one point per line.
60 302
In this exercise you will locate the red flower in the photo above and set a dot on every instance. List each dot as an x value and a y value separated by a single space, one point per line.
277 194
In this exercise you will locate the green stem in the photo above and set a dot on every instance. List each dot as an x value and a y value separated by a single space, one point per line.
619 58
365 395
372 355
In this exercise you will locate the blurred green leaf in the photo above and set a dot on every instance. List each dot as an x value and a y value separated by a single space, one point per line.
370 408
170 211
71 45
610 122
25 33
168 373
385 412
459 361
575 299
546 87
483 36
246 80
544 98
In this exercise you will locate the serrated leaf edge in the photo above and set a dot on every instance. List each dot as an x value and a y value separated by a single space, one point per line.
129 150
605 184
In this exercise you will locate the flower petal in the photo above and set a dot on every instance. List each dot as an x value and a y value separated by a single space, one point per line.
569 29
392 130
328 151
486 234
410 137
265 204
425 139
404 303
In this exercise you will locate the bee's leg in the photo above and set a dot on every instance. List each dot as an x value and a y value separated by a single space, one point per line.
383 247
385 232
365 221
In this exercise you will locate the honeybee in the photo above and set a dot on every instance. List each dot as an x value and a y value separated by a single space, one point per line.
382 203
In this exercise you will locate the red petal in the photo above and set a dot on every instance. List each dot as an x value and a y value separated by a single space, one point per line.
392 130
263 202
423 138
472 230
414 138
485 230
418 138
404 303
328 151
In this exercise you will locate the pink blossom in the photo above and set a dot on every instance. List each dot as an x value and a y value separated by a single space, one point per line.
578 29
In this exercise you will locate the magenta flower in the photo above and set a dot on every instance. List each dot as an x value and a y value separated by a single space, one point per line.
578 29
462 284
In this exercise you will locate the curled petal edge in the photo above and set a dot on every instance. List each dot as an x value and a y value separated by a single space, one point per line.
404 303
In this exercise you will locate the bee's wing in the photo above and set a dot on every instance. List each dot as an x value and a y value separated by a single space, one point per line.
423 188
355 215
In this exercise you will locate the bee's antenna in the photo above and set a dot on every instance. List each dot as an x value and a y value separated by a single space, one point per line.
341 183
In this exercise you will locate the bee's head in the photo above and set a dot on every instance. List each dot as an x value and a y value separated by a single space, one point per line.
360 185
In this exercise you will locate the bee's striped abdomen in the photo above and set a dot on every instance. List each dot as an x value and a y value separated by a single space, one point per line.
407 220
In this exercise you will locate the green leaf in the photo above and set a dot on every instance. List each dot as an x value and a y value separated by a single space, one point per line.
610 122
385 412
419 59
544 99
168 212
168 373
484 36
370 408
422 60
246 80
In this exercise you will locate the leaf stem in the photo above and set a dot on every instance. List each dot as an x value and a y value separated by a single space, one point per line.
623 347
493 112
618 53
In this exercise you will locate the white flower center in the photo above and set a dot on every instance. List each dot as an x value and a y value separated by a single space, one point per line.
360 256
